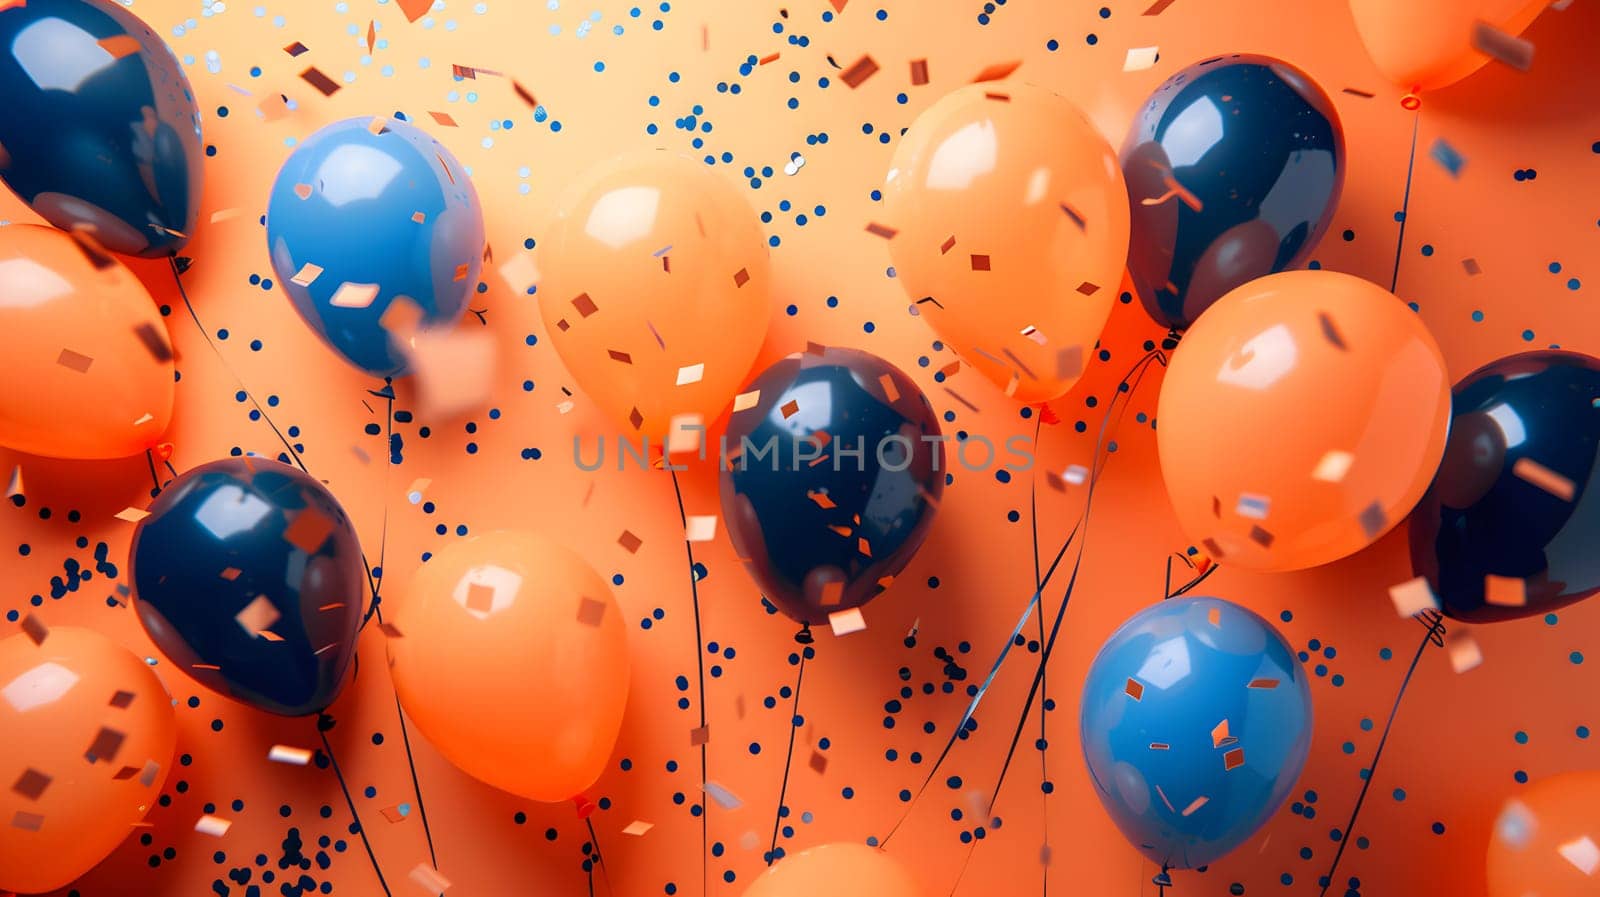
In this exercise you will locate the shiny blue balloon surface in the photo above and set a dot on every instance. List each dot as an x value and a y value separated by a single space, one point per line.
248 577
98 126
1511 525
1234 168
1196 723
832 484
383 216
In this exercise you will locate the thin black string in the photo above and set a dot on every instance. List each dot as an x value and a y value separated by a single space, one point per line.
794 724
700 675
1044 739
350 802
597 860
1405 205
1125 391
373 584
177 278
155 481
1435 636
1123 388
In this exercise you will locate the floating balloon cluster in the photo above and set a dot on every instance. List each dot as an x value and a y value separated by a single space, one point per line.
1304 414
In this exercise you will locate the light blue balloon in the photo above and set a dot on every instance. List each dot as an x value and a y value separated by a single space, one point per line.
1196 723
384 216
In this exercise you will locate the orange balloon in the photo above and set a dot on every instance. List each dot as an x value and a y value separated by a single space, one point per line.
655 289
1546 842
1012 231
71 319
837 870
513 661
89 732
1427 44
1303 416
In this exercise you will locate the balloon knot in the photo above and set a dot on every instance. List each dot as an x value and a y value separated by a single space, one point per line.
804 636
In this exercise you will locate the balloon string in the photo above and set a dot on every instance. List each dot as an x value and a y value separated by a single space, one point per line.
1168 593
373 584
961 729
1405 204
1125 391
806 651
350 802
598 859
155 481
1044 741
700 675
1435 635
177 278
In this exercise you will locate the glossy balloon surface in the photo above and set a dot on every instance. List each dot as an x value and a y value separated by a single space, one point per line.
1546 841
1511 525
1301 419
837 870
248 576
1234 167
1422 45
89 734
85 347
380 218
1196 722
655 288
99 127
512 658
1009 231
821 536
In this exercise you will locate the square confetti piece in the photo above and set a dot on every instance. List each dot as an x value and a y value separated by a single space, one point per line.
1472 267
725 799
215 826
132 515
28 822
444 119
919 72
1333 467
980 262
1140 58
256 616
1464 652
744 401
35 629
429 879
455 370
125 773
637 827
1505 591
690 373
997 71
119 45
1531 471
31 784
700 735
107 742
308 530
1373 521
1412 597
1134 689
1447 157
1582 853
790 408
629 542
845 622
354 295
396 813
858 72
296 48
154 340
307 275
122 699
324 84
819 762
74 361
283 753
590 611
684 433
1497 45
147 775
741 277
701 528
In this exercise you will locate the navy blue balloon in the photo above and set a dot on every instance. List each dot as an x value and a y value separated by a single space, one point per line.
98 126
1234 167
383 216
1196 723
825 537
1510 527
248 576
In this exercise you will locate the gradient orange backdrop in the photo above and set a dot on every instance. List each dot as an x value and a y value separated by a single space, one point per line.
1455 754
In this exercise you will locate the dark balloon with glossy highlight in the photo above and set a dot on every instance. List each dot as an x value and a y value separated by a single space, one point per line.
100 127
1234 167
248 576
1511 525
822 527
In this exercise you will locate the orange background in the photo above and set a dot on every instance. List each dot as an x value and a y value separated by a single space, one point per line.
1454 750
